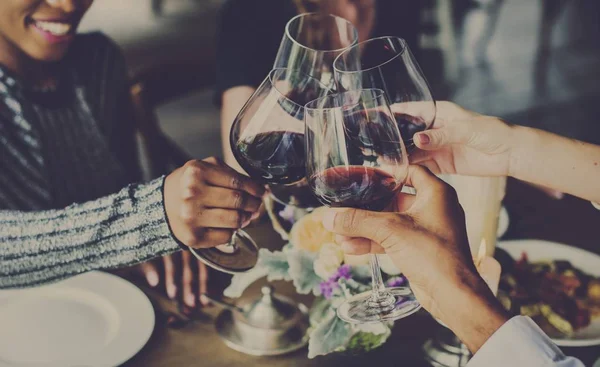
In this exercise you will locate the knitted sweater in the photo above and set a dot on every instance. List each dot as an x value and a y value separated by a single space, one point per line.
67 163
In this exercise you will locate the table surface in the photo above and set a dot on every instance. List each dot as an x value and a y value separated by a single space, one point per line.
532 215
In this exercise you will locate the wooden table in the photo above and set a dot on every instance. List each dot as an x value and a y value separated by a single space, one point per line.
532 215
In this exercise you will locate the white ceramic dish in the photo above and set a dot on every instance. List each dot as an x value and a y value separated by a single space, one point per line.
94 319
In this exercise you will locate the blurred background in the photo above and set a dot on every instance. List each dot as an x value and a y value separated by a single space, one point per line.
531 62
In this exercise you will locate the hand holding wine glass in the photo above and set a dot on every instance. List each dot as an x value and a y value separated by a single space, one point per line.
205 201
463 142
356 158
426 238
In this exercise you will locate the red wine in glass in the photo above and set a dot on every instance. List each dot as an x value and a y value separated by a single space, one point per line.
275 157
356 158
358 187
409 126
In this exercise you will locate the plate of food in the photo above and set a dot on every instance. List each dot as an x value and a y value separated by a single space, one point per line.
557 285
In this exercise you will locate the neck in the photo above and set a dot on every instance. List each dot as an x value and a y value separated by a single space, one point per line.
31 71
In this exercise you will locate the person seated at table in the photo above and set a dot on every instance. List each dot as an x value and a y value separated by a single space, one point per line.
70 200
427 239
249 34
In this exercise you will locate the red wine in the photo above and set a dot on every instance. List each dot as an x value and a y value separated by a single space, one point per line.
355 187
299 195
409 126
276 157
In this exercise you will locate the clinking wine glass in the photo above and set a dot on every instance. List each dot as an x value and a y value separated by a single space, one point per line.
310 44
267 140
356 158
312 41
387 63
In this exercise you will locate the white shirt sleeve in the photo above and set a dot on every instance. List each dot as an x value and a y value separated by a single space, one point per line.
520 342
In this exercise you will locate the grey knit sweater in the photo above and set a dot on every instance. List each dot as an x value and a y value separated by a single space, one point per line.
67 160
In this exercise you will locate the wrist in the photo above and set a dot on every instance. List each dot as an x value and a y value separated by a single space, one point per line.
521 141
470 310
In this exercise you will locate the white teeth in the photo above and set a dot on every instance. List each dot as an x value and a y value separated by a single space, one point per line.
56 28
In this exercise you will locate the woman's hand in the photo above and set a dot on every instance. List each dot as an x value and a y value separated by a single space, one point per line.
427 241
462 142
206 201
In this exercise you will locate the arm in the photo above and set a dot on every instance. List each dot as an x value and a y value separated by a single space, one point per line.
428 232
232 102
527 345
118 230
561 163
204 202
464 142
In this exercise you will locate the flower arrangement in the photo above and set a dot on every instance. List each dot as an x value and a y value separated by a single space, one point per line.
315 264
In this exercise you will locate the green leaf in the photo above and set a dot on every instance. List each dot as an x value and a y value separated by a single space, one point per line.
240 282
273 265
330 335
362 342
361 272
353 286
302 271
276 264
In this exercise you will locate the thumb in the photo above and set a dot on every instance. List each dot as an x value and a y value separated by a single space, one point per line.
358 223
438 138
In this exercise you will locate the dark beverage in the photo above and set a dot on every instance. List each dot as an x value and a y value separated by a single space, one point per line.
409 126
370 136
276 157
355 186
299 195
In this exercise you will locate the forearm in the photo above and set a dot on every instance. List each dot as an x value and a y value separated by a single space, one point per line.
470 310
115 231
556 162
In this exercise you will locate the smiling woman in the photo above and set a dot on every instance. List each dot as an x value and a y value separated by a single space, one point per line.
68 201
38 29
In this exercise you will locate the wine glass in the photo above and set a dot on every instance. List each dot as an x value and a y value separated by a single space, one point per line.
311 43
387 63
356 158
267 140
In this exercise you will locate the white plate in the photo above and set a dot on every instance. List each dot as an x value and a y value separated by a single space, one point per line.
586 261
93 319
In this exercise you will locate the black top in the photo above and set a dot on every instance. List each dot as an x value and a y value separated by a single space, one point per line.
250 31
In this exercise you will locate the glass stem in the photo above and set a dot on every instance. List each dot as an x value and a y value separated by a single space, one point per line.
229 247
233 238
377 281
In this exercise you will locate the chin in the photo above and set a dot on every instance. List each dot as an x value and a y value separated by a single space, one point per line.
49 55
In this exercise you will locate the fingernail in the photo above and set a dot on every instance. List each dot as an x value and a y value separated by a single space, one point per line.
423 139
255 215
152 279
329 219
190 300
171 291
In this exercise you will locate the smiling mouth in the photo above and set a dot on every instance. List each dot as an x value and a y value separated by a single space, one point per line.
55 28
